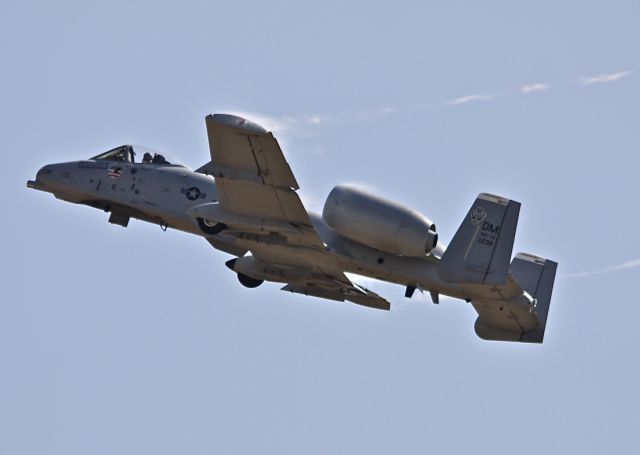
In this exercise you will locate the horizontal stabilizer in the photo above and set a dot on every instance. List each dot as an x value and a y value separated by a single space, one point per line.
536 276
511 320
481 248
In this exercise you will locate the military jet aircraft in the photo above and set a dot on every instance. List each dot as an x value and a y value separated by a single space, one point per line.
244 202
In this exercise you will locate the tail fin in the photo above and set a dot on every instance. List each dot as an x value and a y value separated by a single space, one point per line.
480 251
536 276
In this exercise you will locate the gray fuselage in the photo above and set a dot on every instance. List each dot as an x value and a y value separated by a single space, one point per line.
165 194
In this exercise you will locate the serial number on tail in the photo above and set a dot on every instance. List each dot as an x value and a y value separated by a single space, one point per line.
489 234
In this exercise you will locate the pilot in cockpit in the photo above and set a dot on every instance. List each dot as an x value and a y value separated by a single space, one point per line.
158 159
126 154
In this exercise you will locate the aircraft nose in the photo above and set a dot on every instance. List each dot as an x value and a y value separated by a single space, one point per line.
42 178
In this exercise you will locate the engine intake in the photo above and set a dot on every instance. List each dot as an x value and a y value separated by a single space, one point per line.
379 223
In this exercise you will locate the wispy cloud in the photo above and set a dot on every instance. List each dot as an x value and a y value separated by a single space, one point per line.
632 264
603 78
532 88
374 112
471 98
306 125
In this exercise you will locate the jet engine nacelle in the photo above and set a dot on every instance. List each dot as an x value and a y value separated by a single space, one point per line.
378 223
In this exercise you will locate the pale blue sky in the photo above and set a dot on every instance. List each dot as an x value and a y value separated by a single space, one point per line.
129 341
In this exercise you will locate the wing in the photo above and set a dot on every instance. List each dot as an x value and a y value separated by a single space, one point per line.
339 288
253 178
257 193
324 282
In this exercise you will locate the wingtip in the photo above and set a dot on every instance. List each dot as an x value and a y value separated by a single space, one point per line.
236 121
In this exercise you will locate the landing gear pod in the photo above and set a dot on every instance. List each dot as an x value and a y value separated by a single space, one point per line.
379 223
249 282
210 228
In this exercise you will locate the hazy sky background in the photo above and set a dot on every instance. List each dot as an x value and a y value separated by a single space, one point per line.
130 341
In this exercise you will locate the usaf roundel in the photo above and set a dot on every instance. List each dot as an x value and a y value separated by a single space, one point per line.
193 193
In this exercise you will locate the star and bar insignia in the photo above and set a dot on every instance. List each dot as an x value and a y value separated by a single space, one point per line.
193 193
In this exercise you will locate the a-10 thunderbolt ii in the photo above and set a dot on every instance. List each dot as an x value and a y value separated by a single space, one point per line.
244 202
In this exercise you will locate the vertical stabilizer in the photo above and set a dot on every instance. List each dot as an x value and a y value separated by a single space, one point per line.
481 249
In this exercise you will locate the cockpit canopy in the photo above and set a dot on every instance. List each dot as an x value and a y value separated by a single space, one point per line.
144 155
